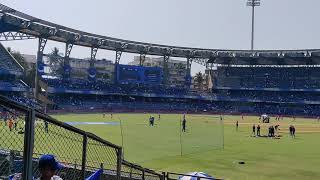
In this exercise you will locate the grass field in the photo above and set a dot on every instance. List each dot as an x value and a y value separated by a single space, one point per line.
143 143
264 158
203 146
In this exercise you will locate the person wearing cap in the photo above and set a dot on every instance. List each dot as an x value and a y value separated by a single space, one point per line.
48 167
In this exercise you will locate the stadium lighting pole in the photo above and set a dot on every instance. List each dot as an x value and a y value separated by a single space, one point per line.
252 4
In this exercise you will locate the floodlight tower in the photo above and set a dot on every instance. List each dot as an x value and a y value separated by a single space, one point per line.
253 4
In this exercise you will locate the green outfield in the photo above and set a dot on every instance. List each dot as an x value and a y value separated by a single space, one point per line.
159 147
209 144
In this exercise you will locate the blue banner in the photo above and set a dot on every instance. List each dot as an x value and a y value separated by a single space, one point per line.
96 175
40 68
92 73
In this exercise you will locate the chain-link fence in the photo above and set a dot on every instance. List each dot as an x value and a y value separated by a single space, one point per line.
27 134
12 136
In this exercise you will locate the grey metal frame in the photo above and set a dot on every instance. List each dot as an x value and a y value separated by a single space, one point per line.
32 26
28 144
13 36
142 170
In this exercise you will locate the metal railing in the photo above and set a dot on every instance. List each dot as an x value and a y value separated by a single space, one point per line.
134 171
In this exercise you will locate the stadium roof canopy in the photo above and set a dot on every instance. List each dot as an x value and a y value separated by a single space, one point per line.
27 26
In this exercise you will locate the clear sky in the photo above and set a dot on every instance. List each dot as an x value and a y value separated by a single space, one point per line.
222 24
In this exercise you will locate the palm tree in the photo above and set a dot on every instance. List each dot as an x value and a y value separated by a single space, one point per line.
199 79
55 57
55 51
56 62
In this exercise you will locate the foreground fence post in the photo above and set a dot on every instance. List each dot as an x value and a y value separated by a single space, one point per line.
163 176
28 145
143 175
167 175
11 160
130 176
119 163
84 156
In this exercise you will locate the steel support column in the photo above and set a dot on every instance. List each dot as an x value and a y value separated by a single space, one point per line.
189 63
142 59
116 63
118 56
41 45
165 68
188 73
66 59
68 50
94 51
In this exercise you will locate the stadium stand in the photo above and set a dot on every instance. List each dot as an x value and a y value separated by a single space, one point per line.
11 84
276 89
14 84
270 96
22 98
269 77
273 89
8 65
78 84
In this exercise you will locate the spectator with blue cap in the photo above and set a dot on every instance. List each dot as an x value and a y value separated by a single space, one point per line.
48 167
